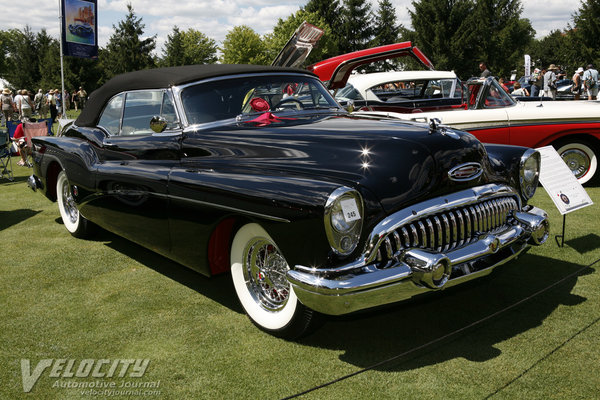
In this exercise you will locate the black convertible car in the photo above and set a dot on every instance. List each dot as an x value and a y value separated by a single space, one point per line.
258 172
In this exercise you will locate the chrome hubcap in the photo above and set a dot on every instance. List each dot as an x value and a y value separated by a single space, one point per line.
577 161
264 271
69 203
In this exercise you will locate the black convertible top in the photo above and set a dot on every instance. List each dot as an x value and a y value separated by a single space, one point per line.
163 78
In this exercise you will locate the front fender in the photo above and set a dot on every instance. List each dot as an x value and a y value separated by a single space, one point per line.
505 161
289 208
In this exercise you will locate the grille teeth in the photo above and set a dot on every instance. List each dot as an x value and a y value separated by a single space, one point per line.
448 229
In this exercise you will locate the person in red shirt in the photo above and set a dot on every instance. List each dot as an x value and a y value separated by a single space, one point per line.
21 141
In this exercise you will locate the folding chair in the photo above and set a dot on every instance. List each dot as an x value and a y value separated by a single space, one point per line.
33 129
5 156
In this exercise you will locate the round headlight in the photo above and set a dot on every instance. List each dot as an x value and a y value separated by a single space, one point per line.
529 173
343 220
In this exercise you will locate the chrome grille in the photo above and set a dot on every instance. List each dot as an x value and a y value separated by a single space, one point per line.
448 229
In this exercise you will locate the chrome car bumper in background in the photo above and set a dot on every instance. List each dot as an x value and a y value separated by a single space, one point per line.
33 182
426 247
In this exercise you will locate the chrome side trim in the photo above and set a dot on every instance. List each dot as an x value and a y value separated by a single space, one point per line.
226 208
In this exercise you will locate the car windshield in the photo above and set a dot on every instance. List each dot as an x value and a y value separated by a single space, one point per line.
348 92
225 99
491 93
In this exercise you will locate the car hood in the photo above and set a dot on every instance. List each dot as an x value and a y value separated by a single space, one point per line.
398 162
523 112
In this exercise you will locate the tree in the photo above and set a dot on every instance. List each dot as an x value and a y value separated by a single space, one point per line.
357 25
242 45
586 34
274 42
126 49
21 64
173 53
458 34
188 48
441 33
386 30
329 11
48 62
555 48
498 34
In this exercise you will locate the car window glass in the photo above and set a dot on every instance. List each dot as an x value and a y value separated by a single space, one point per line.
348 92
473 92
497 97
229 98
111 115
140 107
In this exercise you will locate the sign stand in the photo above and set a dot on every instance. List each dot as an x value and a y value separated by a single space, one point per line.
562 242
564 189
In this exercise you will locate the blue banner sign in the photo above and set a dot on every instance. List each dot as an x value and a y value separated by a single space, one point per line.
80 28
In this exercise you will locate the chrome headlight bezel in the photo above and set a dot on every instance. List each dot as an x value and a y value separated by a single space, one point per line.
529 173
343 231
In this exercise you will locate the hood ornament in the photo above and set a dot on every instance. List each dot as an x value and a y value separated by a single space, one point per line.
465 172
435 125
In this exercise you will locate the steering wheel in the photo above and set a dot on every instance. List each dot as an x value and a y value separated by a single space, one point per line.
297 102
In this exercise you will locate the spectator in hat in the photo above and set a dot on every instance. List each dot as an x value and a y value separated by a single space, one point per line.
576 87
8 106
81 97
537 82
550 82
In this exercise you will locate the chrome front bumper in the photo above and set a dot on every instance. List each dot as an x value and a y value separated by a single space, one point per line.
363 284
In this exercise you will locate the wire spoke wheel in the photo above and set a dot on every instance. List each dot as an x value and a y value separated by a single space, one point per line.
264 272
258 270
581 159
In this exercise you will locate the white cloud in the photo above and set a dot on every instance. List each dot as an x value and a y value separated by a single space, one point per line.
549 15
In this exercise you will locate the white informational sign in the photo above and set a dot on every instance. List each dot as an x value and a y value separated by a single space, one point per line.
560 183
527 66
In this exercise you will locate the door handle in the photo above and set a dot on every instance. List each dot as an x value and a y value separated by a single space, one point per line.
109 145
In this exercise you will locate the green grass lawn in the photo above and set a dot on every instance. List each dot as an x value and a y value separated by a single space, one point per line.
107 298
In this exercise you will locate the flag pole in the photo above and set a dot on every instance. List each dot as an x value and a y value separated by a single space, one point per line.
62 72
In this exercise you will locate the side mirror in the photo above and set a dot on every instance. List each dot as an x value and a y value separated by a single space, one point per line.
158 124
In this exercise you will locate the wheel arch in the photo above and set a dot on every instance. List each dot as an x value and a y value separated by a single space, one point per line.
52 171
571 135
219 243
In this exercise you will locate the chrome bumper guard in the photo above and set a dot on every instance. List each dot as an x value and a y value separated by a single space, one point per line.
364 284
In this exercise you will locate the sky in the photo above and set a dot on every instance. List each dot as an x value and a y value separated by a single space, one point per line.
216 17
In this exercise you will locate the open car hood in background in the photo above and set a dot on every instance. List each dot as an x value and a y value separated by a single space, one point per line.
336 70
297 49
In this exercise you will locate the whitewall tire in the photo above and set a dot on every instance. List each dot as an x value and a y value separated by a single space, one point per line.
75 223
258 270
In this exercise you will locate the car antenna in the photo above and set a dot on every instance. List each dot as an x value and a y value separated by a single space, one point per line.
541 99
